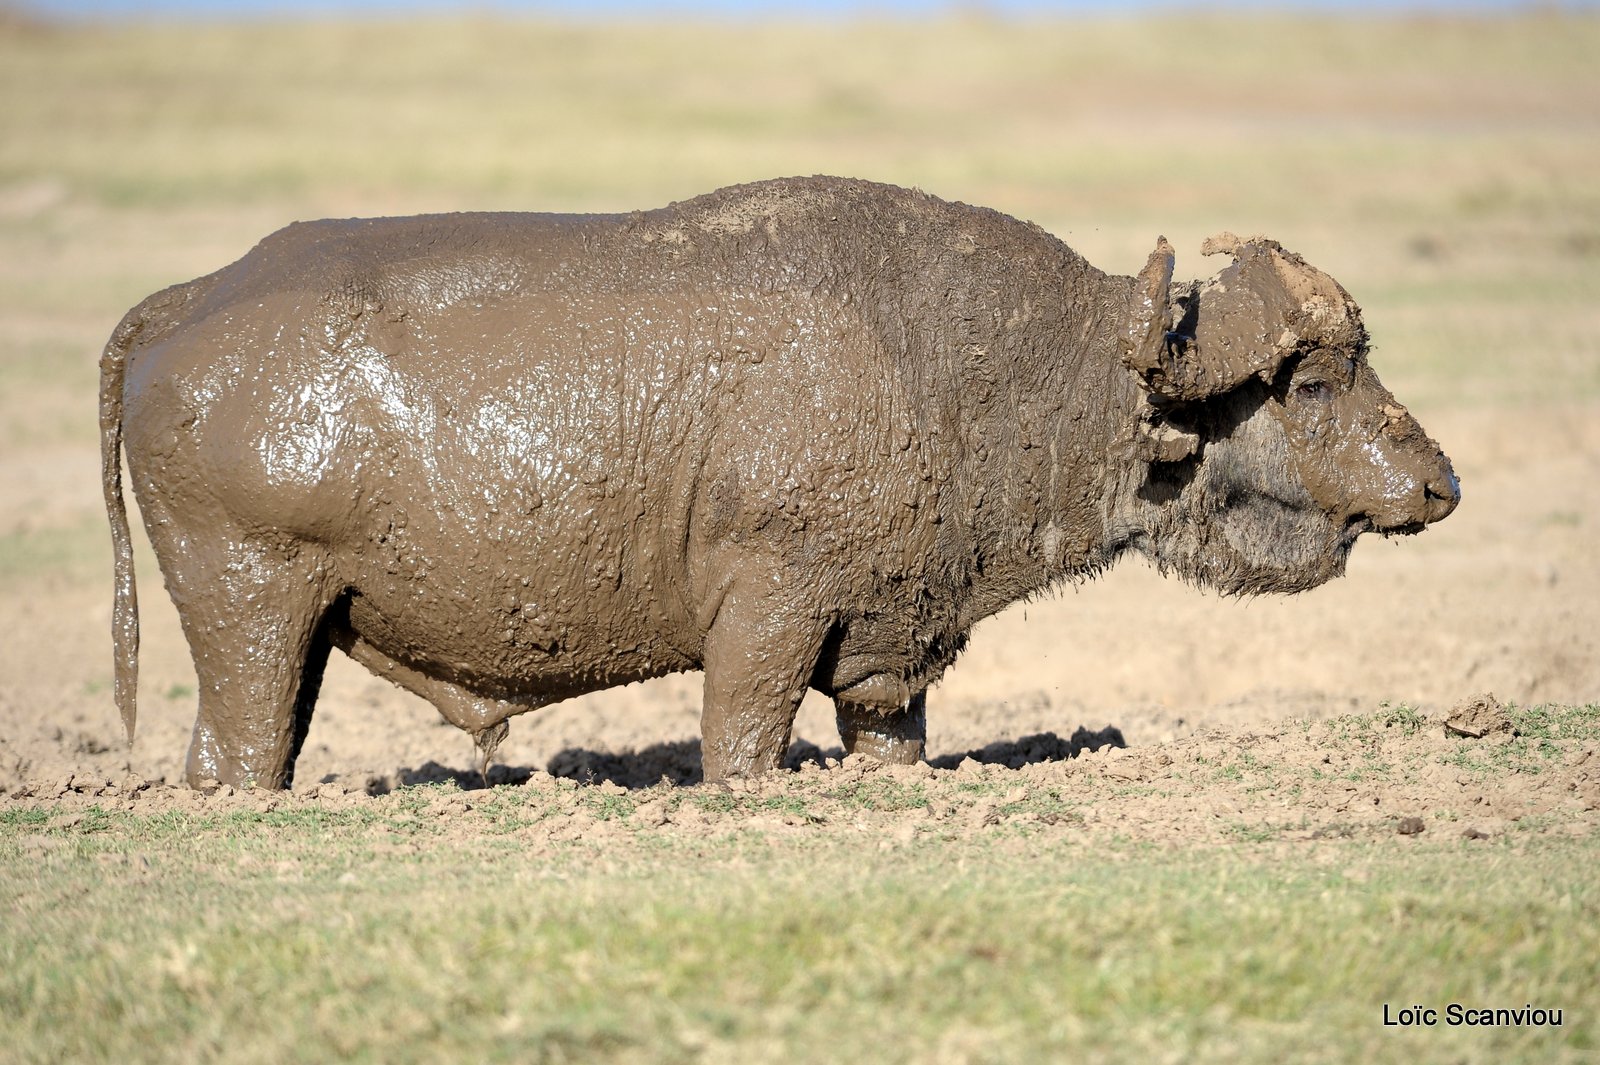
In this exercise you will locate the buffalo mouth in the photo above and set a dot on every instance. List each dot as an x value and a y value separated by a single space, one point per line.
1357 524
1354 526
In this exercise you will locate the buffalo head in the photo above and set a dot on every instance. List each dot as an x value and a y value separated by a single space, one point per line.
1264 442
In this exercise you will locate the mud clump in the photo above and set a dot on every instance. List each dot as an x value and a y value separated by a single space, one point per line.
1478 717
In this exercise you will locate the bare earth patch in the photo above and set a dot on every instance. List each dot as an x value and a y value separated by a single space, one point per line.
1357 776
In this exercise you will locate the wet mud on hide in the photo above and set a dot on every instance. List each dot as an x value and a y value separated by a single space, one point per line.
801 435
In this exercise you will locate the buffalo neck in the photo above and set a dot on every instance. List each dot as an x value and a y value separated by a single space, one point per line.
1040 419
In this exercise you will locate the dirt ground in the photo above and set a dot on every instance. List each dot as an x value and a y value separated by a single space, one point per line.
1500 598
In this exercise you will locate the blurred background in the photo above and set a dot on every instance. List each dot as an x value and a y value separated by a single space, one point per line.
787 10
1438 158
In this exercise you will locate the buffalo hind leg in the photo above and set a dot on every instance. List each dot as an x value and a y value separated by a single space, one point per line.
254 621
896 735
758 658
305 700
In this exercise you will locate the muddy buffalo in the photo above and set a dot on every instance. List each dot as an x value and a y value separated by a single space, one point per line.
799 433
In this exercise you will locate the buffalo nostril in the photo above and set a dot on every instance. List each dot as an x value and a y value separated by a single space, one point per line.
1443 493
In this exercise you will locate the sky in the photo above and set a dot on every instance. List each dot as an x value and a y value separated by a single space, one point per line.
90 9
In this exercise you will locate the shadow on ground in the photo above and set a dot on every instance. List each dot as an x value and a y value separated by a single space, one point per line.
1039 747
433 773
678 763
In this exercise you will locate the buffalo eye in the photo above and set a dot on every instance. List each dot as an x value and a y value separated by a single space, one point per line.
1317 391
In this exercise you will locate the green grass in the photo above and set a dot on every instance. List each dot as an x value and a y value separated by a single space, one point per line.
77 553
1407 719
1556 722
298 934
80 552
60 378
864 916
1486 761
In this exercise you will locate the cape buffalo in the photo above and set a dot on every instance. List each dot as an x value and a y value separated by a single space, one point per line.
797 433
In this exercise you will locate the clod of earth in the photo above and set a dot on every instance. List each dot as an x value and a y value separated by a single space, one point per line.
798 433
1478 717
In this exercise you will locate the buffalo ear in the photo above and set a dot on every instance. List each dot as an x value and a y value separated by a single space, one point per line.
1244 322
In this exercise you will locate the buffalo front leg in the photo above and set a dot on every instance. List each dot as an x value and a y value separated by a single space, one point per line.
758 658
253 619
896 735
